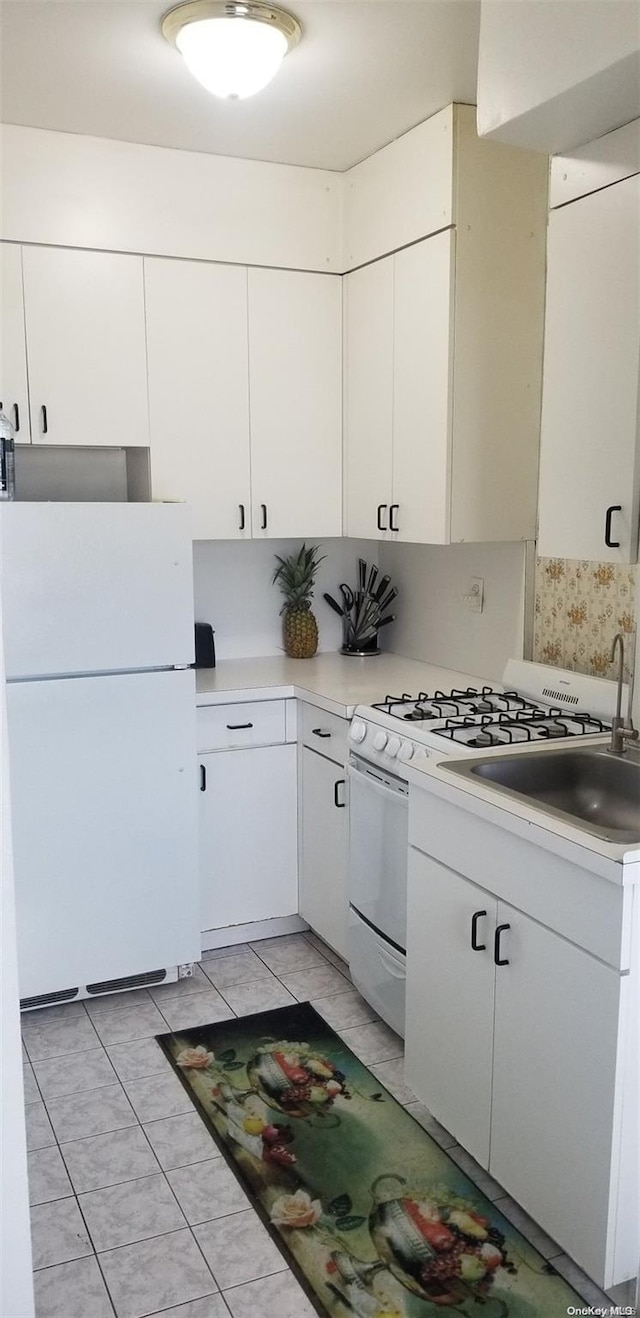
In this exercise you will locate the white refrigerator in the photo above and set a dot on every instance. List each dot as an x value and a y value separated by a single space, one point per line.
97 619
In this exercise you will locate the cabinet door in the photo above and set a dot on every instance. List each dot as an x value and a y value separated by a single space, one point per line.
588 460
248 835
197 344
423 326
86 347
450 987
368 398
295 374
14 399
556 1030
323 864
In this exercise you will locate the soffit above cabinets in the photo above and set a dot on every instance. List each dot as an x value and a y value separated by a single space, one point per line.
364 72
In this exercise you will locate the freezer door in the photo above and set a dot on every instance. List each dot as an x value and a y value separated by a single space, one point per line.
95 587
104 827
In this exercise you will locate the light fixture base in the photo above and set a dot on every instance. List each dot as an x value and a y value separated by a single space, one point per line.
197 10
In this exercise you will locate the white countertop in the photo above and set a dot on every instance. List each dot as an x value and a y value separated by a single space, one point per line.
334 682
609 859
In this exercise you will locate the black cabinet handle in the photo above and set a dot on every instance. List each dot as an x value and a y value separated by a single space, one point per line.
318 732
476 946
203 778
45 422
242 517
393 526
340 804
500 961
611 544
263 509
379 517
236 727
16 417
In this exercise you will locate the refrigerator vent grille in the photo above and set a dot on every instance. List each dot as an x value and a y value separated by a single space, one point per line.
47 999
128 982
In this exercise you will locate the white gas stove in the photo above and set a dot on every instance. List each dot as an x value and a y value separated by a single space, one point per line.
535 704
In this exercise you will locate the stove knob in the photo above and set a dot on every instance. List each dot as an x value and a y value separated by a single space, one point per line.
358 730
393 746
406 751
380 740
420 754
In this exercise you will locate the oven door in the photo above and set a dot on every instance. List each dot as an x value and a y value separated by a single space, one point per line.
378 849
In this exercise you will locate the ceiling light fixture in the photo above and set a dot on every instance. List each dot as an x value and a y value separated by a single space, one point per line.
233 48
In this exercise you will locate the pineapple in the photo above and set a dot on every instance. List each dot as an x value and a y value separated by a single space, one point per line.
295 577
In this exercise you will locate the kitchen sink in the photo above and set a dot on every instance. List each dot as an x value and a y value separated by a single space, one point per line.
589 787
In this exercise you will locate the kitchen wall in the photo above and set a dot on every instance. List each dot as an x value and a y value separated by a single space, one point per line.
434 622
233 591
579 607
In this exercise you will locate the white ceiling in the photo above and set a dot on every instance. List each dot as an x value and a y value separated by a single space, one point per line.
364 72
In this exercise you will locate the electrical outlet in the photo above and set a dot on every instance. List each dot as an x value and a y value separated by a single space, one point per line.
474 598
186 972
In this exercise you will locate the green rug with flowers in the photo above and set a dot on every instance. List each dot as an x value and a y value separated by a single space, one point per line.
375 1219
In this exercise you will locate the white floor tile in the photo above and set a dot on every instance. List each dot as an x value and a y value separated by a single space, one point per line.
93 1113
239 1249
133 1210
154 1275
72 1290
181 1141
207 1190
102 1160
158 1096
48 1178
74 1074
58 1233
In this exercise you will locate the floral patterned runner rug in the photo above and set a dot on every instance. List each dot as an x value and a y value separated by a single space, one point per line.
374 1218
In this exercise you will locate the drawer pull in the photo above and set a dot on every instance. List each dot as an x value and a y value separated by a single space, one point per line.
241 525
393 526
238 727
319 732
340 805
263 511
16 417
500 961
475 945
381 506
44 419
203 778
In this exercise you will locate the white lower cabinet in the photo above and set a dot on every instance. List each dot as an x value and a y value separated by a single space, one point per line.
450 1000
324 902
248 835
515 1042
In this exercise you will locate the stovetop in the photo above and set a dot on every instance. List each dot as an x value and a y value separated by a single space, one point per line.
479 718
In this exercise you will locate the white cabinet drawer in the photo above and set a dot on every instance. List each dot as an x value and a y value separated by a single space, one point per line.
224 727
326 733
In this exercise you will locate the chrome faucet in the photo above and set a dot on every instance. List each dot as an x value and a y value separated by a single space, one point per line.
621 731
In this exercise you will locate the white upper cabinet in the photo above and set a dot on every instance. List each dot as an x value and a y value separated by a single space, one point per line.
295 384
444 339
85 347
197 348
589 458
369 398
14 397
422 367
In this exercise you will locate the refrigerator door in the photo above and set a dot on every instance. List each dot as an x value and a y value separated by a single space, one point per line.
104 805
95 587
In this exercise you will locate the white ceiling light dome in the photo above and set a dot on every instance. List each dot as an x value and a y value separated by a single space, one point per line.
233 48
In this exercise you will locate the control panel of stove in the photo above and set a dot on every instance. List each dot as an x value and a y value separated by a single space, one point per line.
377 743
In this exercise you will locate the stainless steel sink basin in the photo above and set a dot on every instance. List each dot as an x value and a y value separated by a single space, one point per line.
589 787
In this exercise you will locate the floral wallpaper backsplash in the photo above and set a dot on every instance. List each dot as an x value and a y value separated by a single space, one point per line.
579 607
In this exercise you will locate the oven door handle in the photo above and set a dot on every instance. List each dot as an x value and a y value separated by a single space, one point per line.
390 964
400 795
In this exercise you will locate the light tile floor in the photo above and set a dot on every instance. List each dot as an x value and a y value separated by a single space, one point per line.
134 1212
